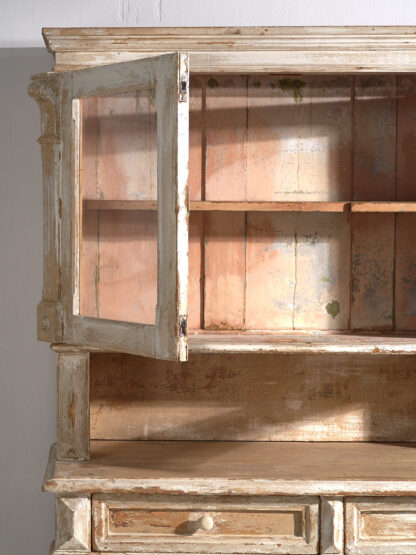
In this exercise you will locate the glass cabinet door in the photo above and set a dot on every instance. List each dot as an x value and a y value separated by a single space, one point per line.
124 206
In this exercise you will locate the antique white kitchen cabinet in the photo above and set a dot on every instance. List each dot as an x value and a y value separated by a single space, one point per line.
230 289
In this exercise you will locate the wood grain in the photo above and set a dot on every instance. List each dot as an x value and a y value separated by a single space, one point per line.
243 49
405 276
405 273
164 339
373 243
374 179
271 271
238 468
224 265
172 524
263 397
332 525
73 405
262 206
299 135
380 526
323 252
72 523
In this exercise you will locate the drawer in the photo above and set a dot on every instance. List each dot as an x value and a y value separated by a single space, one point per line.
380 525
205 524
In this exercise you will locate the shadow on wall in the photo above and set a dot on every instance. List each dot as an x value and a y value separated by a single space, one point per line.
27 367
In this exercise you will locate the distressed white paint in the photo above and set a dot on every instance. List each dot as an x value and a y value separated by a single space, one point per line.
73 523
332 525
158 532
166 74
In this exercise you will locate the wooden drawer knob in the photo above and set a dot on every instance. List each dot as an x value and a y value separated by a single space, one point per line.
206 523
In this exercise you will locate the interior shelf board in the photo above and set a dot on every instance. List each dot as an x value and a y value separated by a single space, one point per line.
238 467
296 342
252 206
381 206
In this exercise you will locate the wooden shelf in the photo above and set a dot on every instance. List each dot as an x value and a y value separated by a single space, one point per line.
296 342
249 206
251 468
289 342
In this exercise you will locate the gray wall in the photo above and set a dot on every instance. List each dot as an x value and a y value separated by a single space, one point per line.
27 371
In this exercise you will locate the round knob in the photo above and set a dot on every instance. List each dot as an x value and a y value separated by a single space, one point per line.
206 523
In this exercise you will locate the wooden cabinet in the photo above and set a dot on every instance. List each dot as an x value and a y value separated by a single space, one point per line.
229 286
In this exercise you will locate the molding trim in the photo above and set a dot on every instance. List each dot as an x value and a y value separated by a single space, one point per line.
145 39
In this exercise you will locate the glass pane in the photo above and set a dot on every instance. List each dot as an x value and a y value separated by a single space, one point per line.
118 198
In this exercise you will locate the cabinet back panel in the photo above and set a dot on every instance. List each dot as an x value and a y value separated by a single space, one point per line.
254 397
262 138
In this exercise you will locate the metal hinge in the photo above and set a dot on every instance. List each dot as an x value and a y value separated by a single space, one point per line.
183 89
183 326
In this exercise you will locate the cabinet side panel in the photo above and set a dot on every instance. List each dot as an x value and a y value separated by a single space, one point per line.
254 397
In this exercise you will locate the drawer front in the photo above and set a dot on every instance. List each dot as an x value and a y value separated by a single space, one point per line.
380 525
202 524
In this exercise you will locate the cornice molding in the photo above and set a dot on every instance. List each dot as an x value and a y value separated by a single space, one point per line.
145 39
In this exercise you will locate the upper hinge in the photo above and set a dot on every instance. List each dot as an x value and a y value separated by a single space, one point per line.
184 79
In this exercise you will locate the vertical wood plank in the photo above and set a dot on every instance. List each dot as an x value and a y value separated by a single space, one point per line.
196 271
88 266
224 288
226 137
127 266
372 271
332 525
196 133
127 146
172 73
323 254
73 405
406 144
225 179
374 178
270 271
405 270
405 280
299 138
374 174
196 185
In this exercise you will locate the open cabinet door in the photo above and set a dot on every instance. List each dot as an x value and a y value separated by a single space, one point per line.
124 235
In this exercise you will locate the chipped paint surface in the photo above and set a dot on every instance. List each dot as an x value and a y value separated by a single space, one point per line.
256 397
